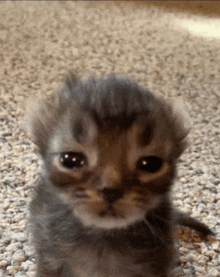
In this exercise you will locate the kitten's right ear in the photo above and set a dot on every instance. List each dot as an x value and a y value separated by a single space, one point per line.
43 115
40 119
181 124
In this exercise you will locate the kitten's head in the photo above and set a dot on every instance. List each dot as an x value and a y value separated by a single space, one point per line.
109 147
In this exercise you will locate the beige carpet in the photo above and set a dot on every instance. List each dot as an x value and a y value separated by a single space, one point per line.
39 42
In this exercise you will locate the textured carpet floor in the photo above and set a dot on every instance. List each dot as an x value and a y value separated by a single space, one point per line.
39 42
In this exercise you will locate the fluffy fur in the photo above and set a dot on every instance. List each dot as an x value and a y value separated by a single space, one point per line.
109 215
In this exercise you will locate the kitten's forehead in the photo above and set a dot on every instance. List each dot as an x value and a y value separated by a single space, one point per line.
145 135
112 146
103 121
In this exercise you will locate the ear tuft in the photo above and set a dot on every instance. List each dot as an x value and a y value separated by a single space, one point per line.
70 80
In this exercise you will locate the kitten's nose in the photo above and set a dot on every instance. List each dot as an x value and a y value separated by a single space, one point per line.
111 195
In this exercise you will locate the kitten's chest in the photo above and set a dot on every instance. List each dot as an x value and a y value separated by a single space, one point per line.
109 263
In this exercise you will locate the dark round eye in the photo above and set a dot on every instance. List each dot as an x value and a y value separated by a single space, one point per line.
73 160
149 164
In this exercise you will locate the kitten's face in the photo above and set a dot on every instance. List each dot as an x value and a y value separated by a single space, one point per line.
109 148
110 178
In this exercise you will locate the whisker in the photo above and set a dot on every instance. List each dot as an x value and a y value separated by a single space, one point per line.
162 219
153 232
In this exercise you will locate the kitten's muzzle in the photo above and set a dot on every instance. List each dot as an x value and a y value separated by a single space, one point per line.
111 195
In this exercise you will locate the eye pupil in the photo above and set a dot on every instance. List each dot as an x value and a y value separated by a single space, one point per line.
73 160
149 164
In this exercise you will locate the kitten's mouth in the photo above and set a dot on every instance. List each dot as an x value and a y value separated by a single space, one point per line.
108 216
110 211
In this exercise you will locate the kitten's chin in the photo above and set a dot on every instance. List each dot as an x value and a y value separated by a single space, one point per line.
107 219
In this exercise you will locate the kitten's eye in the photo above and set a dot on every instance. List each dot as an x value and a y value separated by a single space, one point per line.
73 160
149 164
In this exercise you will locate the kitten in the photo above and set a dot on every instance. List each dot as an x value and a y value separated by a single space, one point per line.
103 207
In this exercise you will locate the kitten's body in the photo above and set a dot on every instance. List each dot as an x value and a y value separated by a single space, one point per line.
103 207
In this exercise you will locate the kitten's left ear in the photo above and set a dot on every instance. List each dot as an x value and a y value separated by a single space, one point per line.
181 118
180 122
